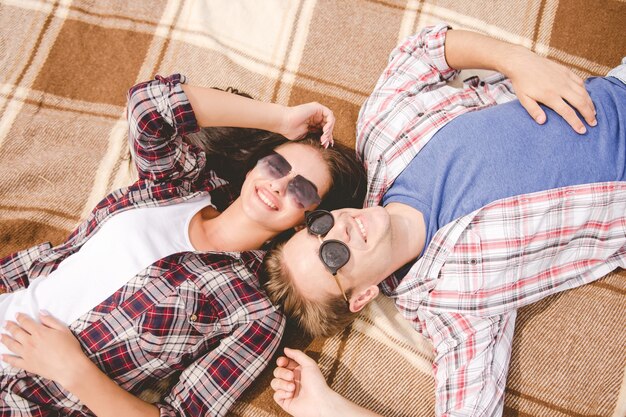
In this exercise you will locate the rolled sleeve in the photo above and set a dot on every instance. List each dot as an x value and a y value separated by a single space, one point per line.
159 115
210 386
434 39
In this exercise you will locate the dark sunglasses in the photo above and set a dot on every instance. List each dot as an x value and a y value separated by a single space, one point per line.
303 191
333 253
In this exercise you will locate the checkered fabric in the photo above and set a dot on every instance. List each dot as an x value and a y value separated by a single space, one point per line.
200 316
65 68
464 292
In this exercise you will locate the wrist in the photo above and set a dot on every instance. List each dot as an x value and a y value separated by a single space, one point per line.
77 371
509 59
281 125
334 403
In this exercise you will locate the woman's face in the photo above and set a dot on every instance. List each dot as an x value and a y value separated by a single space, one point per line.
280 188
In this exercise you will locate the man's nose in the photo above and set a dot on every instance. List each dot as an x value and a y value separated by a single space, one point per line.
341 227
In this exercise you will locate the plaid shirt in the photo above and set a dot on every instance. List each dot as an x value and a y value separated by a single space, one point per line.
202 315
464 291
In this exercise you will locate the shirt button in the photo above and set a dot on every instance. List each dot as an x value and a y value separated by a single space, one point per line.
420 114
473 262
193 317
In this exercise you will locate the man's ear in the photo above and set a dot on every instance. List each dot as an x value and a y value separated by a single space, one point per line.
360 300
298 227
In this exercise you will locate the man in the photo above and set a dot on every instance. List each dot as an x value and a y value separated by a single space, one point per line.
469 218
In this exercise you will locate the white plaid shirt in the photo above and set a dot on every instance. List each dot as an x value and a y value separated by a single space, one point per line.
464 292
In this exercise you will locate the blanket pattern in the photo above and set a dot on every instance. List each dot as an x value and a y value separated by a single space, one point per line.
65 67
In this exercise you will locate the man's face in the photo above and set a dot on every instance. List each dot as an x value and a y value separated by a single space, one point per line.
367 234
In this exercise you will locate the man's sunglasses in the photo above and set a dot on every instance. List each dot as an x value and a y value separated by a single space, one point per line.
303 191
333 253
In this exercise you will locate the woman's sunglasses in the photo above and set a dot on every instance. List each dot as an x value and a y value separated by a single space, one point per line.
303 191
333 253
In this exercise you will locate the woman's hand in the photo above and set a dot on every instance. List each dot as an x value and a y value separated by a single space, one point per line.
48 349
539 80
299 120
299 387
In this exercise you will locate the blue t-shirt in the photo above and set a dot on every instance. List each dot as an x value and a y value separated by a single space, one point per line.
499 152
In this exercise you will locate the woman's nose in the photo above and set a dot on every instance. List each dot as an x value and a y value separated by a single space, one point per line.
279 185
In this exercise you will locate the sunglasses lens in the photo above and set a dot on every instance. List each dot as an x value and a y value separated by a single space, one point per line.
303 191
334 254
320 222
274 165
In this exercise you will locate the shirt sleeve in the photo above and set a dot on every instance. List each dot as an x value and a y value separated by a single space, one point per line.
14 268
471 363
211 384
159 115
417 64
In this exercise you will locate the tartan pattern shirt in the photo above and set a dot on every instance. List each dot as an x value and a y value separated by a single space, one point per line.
464 291
200 314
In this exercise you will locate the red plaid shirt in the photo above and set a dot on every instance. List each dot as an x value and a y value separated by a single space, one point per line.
203 315
464 291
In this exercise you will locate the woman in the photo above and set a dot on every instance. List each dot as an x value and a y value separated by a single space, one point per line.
161 278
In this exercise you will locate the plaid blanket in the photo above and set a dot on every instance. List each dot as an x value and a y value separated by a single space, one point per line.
65 67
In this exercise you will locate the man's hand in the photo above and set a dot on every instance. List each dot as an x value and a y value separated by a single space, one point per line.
539 80
535 79
299 386
48 349
299 120
300 389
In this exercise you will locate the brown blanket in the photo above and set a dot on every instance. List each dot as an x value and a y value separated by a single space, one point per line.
66 66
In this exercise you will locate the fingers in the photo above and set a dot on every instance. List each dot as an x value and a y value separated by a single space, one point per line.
284 374
533 109
50 321
281 396
570 116
287 363
27 323
283 383
278 384
300 357
12 344
579 99
13 361
328 124
16 332
576 97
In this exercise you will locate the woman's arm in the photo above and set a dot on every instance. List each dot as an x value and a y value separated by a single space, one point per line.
534 78
208 386
219 108
50 350
161 111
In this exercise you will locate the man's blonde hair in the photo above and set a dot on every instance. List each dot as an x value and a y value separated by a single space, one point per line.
318 318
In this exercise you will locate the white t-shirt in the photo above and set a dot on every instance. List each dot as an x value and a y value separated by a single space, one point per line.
126 244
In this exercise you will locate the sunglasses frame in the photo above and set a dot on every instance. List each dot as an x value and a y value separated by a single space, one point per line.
325 243
291 186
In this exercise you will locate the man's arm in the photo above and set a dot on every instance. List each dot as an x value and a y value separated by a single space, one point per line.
471 362
300 389
534 78
423 63
471 367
